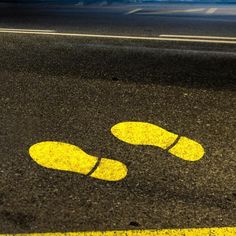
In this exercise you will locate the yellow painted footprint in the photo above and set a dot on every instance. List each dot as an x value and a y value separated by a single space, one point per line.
141 133
67 157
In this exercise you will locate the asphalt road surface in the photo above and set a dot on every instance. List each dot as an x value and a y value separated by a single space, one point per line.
70 83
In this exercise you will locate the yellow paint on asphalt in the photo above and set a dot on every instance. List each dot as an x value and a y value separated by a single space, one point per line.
111 170
120 37
142 133
187 149
224 231
68 157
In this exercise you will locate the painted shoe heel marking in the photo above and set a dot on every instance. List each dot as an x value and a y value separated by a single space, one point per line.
187 149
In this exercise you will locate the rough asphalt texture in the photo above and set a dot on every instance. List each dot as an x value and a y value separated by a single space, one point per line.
74 90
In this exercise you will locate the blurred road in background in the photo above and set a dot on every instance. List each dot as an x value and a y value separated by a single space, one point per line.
148 20
70 73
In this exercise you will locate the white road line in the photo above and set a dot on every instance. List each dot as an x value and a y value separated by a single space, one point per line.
79 4
172 11
28 30
196 37
194 10
211 10
133 11
105 36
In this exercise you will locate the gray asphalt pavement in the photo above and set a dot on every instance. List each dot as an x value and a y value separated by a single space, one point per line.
74 89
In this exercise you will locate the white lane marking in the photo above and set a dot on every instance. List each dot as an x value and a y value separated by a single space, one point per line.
196 37
28 30
105 36
194 10
171 11
211 10
79 4
133 11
